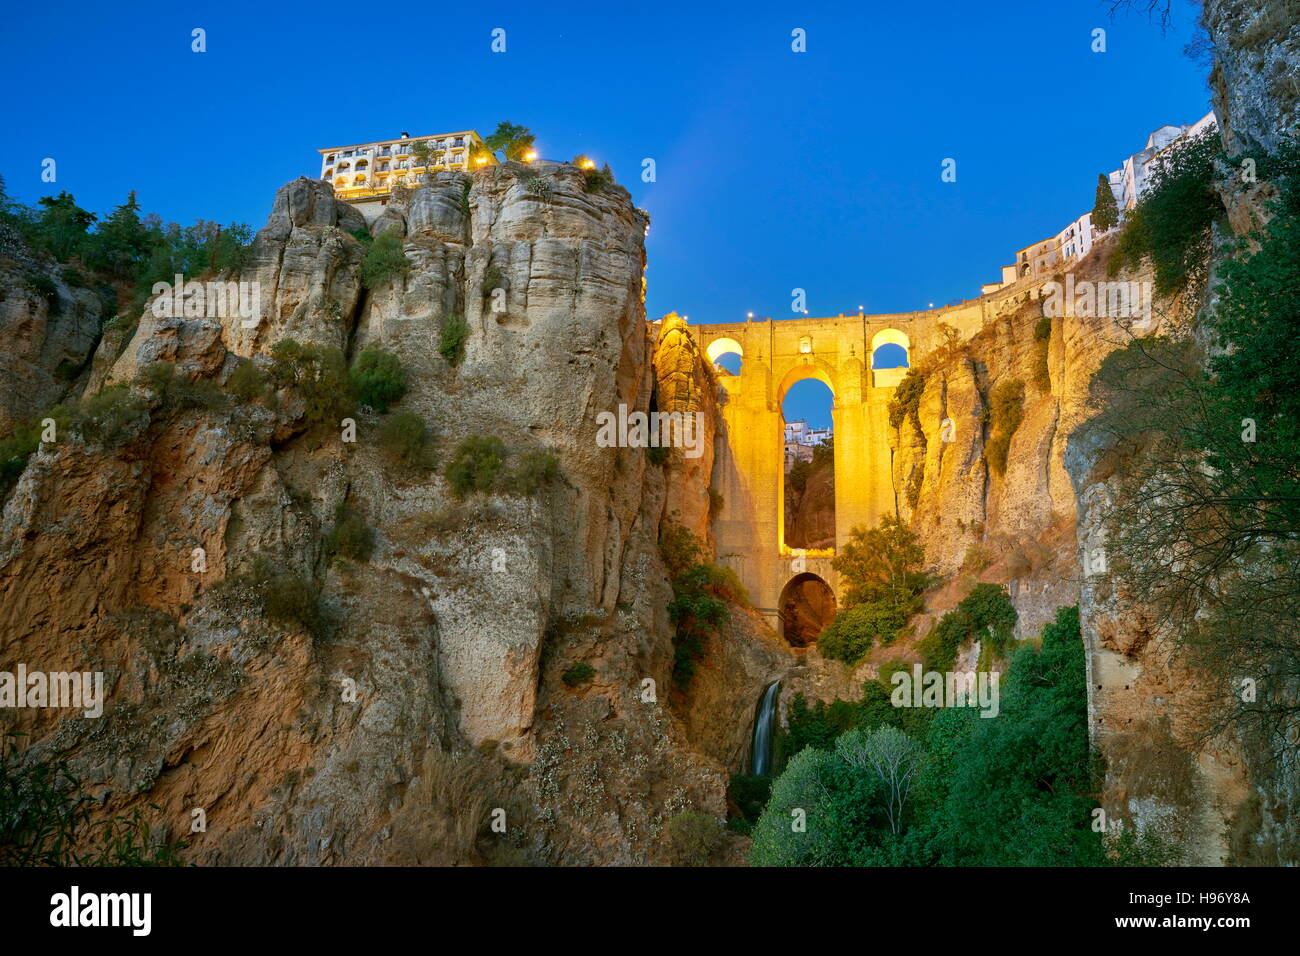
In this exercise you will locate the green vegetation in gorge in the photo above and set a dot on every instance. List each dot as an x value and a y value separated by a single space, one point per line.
882 577
701 593
886 786
1205 521
46 819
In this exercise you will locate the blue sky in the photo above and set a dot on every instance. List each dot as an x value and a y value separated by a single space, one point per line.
775 170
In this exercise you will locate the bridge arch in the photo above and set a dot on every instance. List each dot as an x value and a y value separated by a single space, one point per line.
817 369
806 608
722 346
891 337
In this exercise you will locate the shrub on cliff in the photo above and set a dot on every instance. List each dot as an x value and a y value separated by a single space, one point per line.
319 374
701 591
856 629
247 382
46 819
579 674
404 439
986 615
378 379
351 536
906 401
385 261
1173 219
111 417
477 462
1006 409
15 451
287 597
452 338
695 838
531 473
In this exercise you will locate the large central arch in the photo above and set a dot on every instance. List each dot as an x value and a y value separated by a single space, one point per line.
749 455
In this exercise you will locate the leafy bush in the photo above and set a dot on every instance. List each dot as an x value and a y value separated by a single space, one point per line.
596 180
454 334
701 591
45 287
857 628
405 439
906 401
45 820
175 394
111 417
351 536
15 452
476 464
287 597
695 838
579 674
378 379
247 382
385 261
319 374
986 614
533 471
749 794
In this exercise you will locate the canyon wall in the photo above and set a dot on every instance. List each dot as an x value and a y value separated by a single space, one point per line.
426 692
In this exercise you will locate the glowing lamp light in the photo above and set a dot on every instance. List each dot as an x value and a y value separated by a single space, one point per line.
480 160
588 164
530 156
750 314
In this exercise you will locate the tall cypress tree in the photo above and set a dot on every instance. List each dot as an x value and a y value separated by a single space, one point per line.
1105 211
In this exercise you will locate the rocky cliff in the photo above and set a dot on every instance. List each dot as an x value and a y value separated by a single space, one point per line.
411 693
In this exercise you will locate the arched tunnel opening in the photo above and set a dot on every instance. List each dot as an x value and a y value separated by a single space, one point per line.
807 608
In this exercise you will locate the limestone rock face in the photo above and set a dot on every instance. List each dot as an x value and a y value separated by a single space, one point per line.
425 686
49 329
686 388
1256 62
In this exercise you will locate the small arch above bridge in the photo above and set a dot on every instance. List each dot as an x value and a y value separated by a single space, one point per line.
723 346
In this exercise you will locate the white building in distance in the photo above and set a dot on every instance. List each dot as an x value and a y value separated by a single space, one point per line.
1128 184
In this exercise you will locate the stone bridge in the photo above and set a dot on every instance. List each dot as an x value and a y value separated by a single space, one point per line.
749 463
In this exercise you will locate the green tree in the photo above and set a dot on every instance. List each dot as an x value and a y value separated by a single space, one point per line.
511 141
883 565
122 243
61 227
1105 211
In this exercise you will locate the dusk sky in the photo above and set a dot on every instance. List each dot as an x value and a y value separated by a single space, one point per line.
775 169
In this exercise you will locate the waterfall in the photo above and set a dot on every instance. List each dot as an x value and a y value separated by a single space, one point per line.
760 760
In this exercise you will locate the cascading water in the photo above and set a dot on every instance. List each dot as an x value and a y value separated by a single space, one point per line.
760 760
